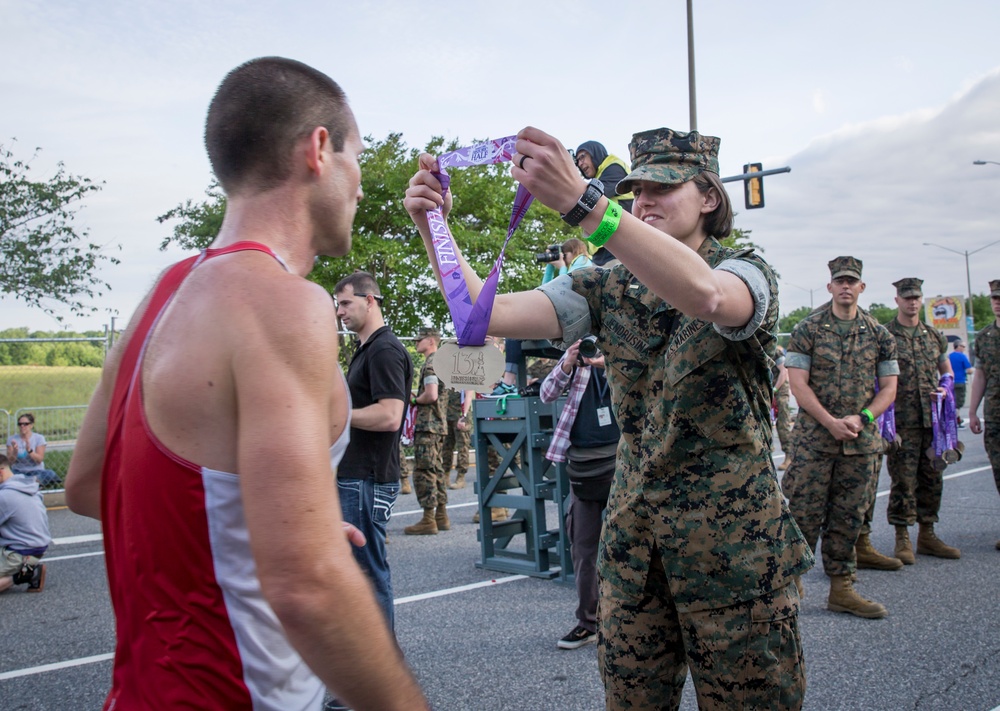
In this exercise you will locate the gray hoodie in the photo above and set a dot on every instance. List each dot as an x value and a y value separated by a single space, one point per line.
24 524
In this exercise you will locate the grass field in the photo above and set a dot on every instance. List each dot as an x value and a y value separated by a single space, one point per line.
57 396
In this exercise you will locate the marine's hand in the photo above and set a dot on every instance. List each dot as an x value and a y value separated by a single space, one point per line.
841 430
974 424
425 192
547 170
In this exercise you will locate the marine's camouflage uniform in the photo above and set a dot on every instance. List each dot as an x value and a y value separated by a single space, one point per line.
987 350
430 481
915 496
830 484
698 548
455 440
784 420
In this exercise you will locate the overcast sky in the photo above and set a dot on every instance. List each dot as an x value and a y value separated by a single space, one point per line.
879 108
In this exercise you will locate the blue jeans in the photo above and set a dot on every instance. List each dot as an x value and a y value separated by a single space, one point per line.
368 506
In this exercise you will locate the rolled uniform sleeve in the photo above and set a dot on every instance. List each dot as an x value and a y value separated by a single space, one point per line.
572 309
798 353
757 284
887 363
798 360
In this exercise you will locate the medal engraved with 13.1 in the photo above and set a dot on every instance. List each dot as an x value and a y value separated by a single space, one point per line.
468 368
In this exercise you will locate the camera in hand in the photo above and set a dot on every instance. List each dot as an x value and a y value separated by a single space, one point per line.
530 390
551 254
588 348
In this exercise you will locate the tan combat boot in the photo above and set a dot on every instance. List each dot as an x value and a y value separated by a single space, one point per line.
441 518
843 598
904 551
929 544
405 488
870 558
784 463
426 526
459 482
496 515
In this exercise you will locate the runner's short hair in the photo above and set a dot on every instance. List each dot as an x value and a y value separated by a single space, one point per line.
260 111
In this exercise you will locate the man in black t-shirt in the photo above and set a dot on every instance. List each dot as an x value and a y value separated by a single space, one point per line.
379 379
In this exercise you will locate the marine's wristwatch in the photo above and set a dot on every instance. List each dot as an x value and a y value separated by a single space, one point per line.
586 203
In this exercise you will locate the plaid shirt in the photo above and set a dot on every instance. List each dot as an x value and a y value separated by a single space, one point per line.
551 389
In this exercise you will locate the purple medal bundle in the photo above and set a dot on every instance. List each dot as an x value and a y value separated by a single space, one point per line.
470 368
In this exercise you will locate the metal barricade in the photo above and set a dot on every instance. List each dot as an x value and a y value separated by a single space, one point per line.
525 543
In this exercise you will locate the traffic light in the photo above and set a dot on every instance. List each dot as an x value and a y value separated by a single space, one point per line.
753 188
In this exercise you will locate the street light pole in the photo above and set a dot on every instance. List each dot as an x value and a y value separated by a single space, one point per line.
965 253
692 102
803 289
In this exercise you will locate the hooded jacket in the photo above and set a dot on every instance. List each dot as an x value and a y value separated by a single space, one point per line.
24 525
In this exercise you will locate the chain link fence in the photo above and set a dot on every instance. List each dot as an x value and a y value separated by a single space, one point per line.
51 379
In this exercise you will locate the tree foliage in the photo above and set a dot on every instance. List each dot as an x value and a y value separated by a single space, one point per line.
884 314
386 243
790 320
47 259
42 351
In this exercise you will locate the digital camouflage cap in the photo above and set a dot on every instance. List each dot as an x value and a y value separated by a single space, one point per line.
910 286
663 155
995 287
427 332
845 266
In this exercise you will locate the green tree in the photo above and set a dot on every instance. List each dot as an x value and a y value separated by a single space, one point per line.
46 258
883 314
386 243
199 222
982 312
790 320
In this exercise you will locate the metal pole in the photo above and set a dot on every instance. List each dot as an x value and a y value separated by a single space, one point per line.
692 102
968 284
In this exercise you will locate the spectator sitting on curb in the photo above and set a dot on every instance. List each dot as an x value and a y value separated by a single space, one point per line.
26 452
24 530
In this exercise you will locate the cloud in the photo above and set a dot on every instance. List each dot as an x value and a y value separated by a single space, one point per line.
819 102
879 190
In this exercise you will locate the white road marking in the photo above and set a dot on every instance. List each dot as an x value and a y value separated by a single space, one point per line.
399 601
56 666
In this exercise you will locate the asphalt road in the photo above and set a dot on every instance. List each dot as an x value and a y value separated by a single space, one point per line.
481 640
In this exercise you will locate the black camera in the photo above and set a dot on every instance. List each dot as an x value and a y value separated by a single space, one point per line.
551 254
588 348
532 390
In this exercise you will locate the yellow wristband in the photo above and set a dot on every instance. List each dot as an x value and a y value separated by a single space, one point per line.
608 226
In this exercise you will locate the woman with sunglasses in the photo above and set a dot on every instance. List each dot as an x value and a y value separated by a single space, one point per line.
26 451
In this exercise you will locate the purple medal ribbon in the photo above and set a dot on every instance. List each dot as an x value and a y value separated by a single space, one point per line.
943 416
886 422
471 320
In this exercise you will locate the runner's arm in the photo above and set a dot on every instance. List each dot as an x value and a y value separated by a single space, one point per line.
307 572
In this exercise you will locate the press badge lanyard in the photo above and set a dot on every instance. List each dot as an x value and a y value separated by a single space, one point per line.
472 320
603 411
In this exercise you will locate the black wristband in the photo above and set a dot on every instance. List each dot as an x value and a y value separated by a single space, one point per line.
586 203
866 417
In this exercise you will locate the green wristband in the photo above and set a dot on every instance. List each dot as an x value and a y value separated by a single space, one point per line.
868 413
608 226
